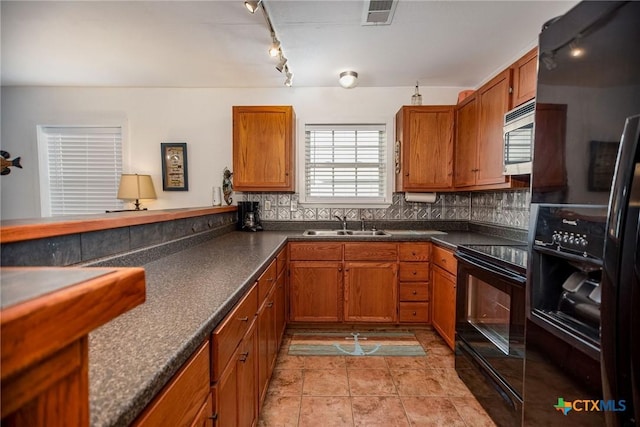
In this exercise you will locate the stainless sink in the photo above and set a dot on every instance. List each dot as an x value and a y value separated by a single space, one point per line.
346 233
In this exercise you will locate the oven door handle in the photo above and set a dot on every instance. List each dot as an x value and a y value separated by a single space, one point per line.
506 275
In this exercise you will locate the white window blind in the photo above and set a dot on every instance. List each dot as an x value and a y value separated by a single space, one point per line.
84 168
345 162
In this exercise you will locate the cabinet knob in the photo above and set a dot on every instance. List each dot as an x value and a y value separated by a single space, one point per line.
269 305
244 356
406 174
213 417
413 254
270 279
415 292
415 272
340 269
414 313
243 319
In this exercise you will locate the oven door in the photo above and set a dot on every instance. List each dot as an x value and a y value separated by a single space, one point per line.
490 316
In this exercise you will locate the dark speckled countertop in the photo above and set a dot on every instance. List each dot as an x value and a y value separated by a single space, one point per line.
188 293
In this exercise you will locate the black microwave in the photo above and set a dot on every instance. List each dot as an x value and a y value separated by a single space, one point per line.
518 139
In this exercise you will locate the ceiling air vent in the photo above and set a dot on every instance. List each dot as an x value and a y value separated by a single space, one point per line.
378 12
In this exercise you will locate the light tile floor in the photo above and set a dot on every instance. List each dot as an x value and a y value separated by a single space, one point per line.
371 391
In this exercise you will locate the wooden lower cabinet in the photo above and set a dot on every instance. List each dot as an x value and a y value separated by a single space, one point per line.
267 342
181 401
444 304
236 392
315 291
370 291
203 417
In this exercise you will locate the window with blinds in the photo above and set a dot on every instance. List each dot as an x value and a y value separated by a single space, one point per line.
83 168
345 163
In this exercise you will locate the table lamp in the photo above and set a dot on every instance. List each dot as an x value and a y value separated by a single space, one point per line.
136 187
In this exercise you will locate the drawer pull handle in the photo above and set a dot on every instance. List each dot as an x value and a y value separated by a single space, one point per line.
413 254
444 260
414 313
415 272
213 417
244 356
269 305
243 319
415 292
270 279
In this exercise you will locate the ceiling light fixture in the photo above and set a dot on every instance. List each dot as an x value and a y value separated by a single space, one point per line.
281 65
348 79
252 6
275 50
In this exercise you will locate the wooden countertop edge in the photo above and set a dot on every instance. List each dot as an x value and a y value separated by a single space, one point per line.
57 319
19 230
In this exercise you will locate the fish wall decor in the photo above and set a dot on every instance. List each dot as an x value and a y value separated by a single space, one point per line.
6 163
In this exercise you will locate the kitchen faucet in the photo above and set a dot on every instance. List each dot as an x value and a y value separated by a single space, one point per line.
344 222
362 223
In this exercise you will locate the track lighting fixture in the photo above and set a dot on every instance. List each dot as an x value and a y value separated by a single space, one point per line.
275 50
348 79
252 6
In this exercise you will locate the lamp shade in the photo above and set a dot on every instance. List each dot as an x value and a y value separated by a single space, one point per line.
134 187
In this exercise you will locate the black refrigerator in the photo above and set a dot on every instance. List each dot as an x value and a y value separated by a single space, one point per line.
582 330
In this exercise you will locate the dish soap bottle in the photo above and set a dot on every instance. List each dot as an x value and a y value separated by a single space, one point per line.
416 99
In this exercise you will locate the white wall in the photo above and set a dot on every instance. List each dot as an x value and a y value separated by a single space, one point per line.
199 117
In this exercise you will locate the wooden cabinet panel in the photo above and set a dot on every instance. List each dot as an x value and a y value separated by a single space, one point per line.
525 77
263 148
266 281
226 394
247 379
373 251
267 344
227 336
418 251
414 312
414 291
444 304
317 251
466 143
494 102
281 261
281 307
370 291
445 259
180 401
204 415
425 135
315 291
414 271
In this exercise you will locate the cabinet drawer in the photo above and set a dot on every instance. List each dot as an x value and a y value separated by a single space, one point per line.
281 261
227 336
181 400
361 251
414 291
414 251
266 281
445 259
414 312
414 271
319 251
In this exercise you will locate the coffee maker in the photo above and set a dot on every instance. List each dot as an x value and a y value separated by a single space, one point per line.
249 216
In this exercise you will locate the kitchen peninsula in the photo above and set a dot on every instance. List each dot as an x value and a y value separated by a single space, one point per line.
189 293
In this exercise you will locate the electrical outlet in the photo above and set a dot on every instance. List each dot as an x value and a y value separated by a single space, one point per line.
294 205
267 205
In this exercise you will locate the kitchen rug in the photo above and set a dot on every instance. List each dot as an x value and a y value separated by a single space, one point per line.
353 343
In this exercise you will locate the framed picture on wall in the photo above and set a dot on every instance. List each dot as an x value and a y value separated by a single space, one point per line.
175 175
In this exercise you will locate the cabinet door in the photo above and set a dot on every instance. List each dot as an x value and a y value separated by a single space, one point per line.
263 148
494 103
280 307
444 304
315 291
525 77
466 144
226 394
427 148
266 342
247 364
371 291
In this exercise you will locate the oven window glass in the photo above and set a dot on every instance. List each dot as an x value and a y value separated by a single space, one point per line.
517 145
489 311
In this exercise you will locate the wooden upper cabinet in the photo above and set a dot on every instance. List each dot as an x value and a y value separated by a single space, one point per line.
466 144
264 148
493 102
425 138
525 77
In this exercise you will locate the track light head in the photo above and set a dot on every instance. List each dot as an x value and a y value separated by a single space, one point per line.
282 64
274 50
252 6
289 80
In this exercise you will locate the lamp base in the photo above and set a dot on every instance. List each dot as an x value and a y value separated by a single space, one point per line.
128 210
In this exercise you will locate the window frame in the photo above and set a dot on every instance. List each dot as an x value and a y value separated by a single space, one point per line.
347 202
43 156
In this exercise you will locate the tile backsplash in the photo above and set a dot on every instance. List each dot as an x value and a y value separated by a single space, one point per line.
505 208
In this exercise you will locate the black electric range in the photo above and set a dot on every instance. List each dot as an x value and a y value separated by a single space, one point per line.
511 257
